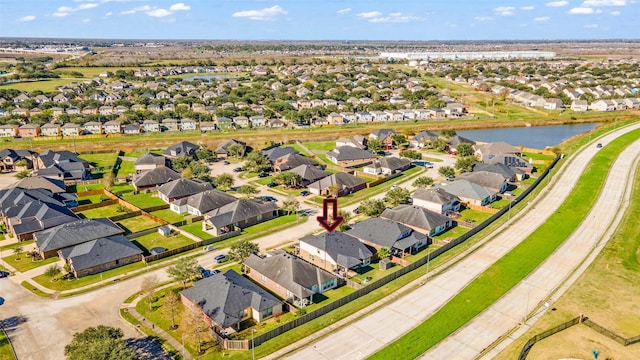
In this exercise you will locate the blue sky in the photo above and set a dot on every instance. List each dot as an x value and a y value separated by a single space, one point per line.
322 20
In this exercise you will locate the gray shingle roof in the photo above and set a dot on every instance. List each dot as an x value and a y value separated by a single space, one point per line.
183 187
457 140
157 176
502 169
346 181
416 216
425 135
223 148
76 232
484 178
151 159
435 195
181 148
498 147
466 189
239 210
290 161
37 182
310 173
224 296
276 152
290 272
382 134
344 249
344 153
100 251
207 200
384 232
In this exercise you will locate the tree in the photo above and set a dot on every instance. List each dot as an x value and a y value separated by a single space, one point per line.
374 145
383 252
199 169
148 288
256 162
181 162
18 251
193 325
101 342
447 171
241 250
397 196
288 179
108 179
466 163
344 226
411 154
224 181
206 154
247 190
438 144
448 133
399 139
372 207
334 190
170 306
423 182
187 173
236 150
52 271
184 270
464 149
290 205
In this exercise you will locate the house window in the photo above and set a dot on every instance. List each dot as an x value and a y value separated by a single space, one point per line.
311 257
267 313
259 217
263 278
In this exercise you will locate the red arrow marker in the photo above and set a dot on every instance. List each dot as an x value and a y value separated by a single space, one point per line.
337 219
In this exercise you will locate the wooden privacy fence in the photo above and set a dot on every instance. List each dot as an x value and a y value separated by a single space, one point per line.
259 339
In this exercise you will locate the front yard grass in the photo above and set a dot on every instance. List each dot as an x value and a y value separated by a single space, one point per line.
505 273
168 215
100 160
5 348
451 234
62 285
135 224
25 263
155 239
143 200
14 245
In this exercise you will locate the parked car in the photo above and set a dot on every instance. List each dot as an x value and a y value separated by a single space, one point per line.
450 178
304 193
599 145
272 184
238 169
356 211
220 258
226 162
263 175
4 274
208 248
268 198
204 272
215 271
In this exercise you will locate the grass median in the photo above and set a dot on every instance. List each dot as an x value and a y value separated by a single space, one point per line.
505 273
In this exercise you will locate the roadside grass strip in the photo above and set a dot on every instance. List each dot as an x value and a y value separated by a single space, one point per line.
508 271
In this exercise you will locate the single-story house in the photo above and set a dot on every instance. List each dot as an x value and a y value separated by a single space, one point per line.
350 156
419 219
387 165
492 181
100 255
152 178
183 148
347 184
241 213
150 161
222 151
181 188
469 193
335 251
493 148
290 161
437 200
378 233
202 202
309 174
49 241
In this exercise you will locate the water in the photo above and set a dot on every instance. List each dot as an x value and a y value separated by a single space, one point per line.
207 78
537 137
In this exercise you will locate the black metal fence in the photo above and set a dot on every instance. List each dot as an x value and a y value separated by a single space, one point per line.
529 344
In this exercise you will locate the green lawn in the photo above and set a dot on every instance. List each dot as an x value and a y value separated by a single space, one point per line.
196 229
43 85
105 211
91 199
122 189
514 266
156 239
136 224
61 285
143 200
137 154
537 156
168 215
5 348
320 146
298 148
25 263
126 168
100 160
451 234
269 226
16 244
373 273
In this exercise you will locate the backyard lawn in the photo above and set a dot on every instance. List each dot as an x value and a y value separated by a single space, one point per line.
136 224
322 146
102 212
126 168
155 239
168 215
91 199
196 229
143 200
100 160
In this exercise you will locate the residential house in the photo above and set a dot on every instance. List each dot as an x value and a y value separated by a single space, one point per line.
489 150
437 200
183 148
336 251
112 127
29 130
49 241
61 98
603 105
202 202
93 127
378 233
187 124
335 119
224 123
290 161
509 173
490 180
408 114
222 151
10 159
258 121
345 183
553 104
150 161
512 161
632 103
37 182
357 141
363 117
309 174
73 110
169 125
272 154
105 110
385 136
387 165
50 129
420 139
98 255
241 121
151 179
70 129
132 129
207 126
421 220
228 298
350 156
151 126
181 188
239 214
9 130
394 115
290 277
276 124
469 193
454 141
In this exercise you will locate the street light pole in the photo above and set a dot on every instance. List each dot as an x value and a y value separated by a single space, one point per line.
253 352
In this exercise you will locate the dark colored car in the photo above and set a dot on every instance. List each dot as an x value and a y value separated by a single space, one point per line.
4 274
263 175
238 169
272 184
215 271
356 211
304 193
220 258
204 272
599 145
226 162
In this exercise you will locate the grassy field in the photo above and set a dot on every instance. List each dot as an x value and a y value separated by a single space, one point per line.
514 266
155 239
44 85
606 292
100 160
136 224
126 168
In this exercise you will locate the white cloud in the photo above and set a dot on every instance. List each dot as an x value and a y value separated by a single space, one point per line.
86 6
557 3
541 19
127 12
27 18
66 10
483 18
86 20
159 13
527 8
370 14
581 11
395 17
143 8
343 11
615 13
179 7
108 14
591 26
264 14
504 10
60 14
597 3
